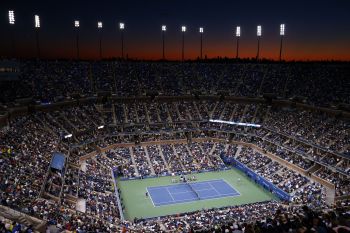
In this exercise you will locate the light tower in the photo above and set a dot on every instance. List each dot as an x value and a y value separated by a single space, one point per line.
99 27
282 33
258 33
122 27
201 31
76 26
37 27
183 29
163 39
12 24
238 35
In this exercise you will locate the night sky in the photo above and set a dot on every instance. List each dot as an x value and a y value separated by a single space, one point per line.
315 30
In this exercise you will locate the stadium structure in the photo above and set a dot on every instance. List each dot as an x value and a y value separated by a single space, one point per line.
109 146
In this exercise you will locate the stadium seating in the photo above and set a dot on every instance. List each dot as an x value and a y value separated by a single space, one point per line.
300 150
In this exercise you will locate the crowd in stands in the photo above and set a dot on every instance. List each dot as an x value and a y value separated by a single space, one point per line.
342 183
314 142
171 158
56 80
287 180
23 171
258 217
96 187
8 226
157 161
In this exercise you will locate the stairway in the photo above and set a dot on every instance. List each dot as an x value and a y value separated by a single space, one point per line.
178 157
133 161
149 160
239 149
164 160
22 218
197 110
314 168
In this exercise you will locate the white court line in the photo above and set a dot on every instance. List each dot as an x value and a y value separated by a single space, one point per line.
180 201
214 181
193 200
182 184
234 194
239 194
214 189
165 186
170 194
202 189
220 195
191 191
150 196
182 192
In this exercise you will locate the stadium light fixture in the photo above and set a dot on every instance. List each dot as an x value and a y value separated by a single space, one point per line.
258 33
258 30
99 27
11 17
163 40
37 21
183 29
76 23
238 31
238 35
282 34
121 28
201 31
282 29
37 26
12 22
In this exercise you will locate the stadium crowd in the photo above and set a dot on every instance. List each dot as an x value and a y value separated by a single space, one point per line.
314 142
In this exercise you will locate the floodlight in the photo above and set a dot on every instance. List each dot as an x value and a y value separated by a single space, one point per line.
238 35
201 30
238 31
183 28
99 24
258 30
282 33
282 29
163 28
121 26
235 123
11 17
76 23
37 21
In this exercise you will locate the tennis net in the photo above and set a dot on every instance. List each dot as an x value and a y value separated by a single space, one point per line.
191 187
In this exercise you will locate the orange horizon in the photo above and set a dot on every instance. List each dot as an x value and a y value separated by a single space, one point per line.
153 51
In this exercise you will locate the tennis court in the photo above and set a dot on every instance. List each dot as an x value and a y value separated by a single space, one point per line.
137 205
188 192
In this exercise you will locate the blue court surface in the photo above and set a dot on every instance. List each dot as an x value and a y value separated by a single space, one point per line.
187 192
